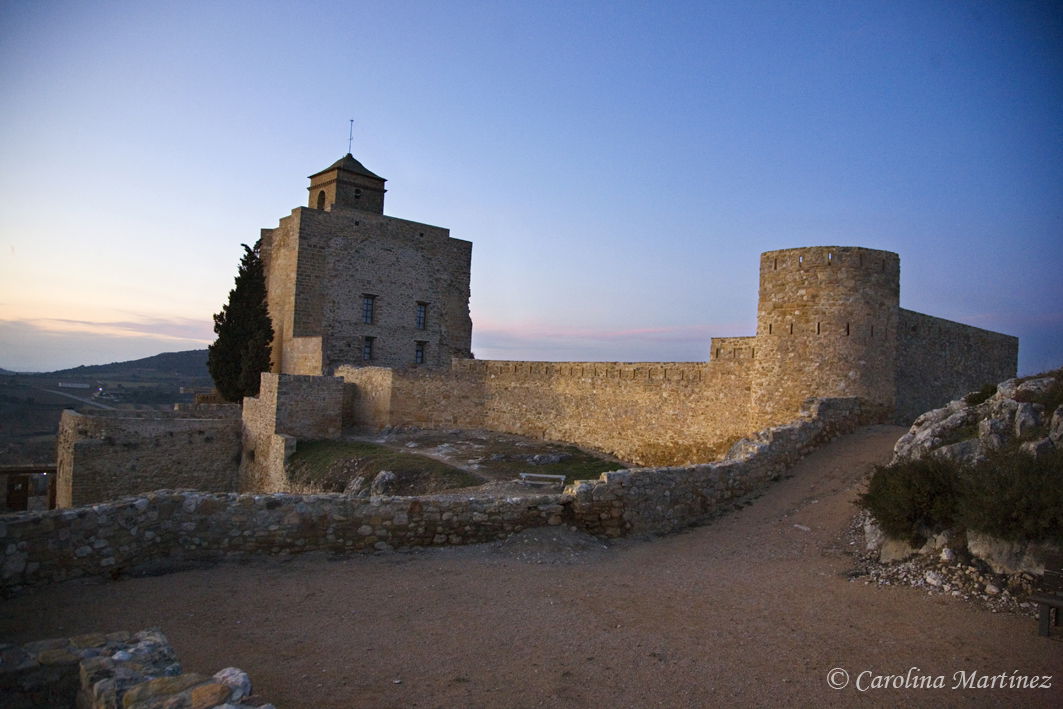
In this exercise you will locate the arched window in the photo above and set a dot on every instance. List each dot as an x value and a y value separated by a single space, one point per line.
321 199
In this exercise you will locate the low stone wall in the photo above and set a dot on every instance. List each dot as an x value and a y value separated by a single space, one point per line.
175 526
166 527
102 457
107 671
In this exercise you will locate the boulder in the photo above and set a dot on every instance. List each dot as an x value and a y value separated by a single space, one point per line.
383 483
1055 429
964 452
1006 557
1040 448
1027 418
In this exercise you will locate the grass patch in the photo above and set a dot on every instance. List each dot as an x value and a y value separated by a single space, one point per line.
330 465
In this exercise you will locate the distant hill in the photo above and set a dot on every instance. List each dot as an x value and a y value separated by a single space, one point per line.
187 364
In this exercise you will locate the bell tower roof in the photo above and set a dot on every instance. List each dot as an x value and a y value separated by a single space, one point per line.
349 163
347 183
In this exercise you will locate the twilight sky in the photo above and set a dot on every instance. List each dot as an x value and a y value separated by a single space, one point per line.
617 165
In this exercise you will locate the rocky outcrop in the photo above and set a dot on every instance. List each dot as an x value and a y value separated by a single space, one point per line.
1021 415
967 429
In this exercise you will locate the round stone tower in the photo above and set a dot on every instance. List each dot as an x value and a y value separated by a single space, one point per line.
826 326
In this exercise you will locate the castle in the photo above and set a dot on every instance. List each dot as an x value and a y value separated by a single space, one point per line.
372 328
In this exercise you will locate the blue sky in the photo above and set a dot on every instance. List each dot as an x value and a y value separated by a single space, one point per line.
618 166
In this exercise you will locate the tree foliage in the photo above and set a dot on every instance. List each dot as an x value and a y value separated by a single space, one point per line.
242 350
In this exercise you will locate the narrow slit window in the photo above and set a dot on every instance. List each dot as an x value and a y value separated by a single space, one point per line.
368 308
422 315
367 348
791 328
846 329
817 329
418 352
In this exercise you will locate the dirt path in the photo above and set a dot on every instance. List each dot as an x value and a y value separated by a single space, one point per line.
752 610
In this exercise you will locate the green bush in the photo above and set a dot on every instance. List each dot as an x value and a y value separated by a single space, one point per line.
912 498
1014 497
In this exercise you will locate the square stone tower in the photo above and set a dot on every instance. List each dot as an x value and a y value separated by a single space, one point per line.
348 285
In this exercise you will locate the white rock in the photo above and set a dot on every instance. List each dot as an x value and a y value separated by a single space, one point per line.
1056 430
1036 386
236 680
947 555
1027 418
873 536
992 589
933 578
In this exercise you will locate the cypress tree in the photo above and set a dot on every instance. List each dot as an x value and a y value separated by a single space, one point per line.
242 350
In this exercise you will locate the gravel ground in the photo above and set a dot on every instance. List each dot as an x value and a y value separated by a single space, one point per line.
756 609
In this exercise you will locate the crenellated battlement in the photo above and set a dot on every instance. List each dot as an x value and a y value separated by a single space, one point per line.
846 257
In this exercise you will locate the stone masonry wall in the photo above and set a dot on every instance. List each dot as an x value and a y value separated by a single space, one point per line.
661 500
939 360
318 266
110 670
826 326
646 413
115 456
288 407
171 526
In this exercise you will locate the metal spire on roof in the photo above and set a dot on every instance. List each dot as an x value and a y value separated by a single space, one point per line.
350 137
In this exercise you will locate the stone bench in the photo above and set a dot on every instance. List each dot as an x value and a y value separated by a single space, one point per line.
542 478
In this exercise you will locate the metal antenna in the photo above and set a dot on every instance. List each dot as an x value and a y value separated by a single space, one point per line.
350 137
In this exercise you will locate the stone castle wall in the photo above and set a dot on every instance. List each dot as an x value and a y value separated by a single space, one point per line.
939 360
288 407
116 455
319 264
164 526
645 413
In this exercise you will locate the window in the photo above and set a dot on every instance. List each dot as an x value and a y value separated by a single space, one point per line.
357 193
368 308
418 353
321 199
422 315
367 348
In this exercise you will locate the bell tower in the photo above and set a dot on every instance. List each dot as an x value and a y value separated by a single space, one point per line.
347 183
